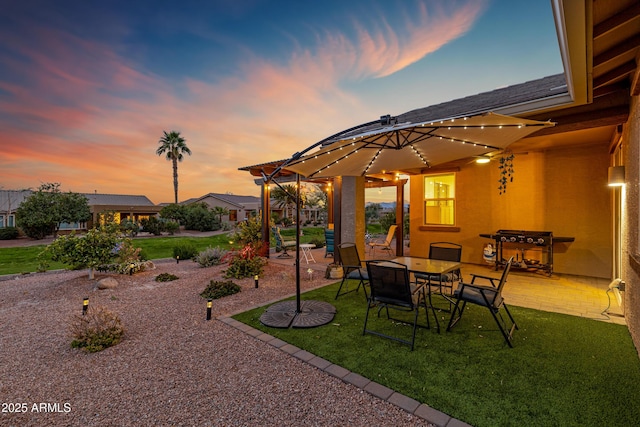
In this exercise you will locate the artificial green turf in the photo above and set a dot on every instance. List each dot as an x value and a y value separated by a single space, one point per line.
562 371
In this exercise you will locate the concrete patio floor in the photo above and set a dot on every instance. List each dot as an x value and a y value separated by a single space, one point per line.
560 293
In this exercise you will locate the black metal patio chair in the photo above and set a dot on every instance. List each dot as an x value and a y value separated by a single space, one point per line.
390 289
352 269
489 296
442 284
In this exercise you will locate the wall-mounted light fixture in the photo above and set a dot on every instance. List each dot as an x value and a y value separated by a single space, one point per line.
616 176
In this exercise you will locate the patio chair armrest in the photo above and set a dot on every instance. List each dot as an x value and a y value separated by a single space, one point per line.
491 280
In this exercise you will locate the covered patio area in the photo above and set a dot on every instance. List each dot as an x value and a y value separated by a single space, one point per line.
580 296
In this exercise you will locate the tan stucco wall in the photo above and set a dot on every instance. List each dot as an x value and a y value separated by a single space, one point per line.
630 233
562 191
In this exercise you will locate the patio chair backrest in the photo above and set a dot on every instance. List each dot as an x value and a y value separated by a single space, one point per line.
349 256
389 283
390 234
280 242
505 273
445 251
329 236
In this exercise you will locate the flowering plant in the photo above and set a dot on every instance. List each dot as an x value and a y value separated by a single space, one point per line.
245 263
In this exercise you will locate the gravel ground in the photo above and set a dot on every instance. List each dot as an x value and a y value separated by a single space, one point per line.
173 367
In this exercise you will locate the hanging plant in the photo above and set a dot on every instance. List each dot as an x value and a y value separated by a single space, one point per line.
506 172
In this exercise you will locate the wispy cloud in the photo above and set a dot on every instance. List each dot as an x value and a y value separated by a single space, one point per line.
79 113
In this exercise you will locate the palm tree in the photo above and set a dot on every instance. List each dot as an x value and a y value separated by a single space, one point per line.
174 146
285 198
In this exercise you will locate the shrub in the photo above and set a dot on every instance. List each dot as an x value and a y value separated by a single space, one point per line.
185 250
98 329
249 231
127 259
166 277
245 263
211 256
217 289
199 217
171 227
129 227
317 241
152 225
8 233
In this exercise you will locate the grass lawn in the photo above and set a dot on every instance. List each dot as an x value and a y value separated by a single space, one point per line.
19 260
563 370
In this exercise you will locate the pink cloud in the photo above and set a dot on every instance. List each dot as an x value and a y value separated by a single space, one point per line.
91 119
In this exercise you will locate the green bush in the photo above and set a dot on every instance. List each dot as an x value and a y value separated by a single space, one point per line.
217 289
245 263
166 277
211 256
8 233
152 225
185 250
171 227
98 329
129 228
318 242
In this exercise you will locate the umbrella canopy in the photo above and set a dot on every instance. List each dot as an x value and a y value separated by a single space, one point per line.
412 147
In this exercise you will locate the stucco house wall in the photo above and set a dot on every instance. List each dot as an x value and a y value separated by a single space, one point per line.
563 191
630 233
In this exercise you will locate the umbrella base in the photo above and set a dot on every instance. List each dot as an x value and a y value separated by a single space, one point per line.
312 314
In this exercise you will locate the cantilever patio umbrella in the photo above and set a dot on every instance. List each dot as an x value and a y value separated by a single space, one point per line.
410 147
381 147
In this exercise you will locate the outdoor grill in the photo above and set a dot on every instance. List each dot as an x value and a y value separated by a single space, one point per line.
531 250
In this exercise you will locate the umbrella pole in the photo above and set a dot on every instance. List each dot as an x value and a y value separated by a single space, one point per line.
298 310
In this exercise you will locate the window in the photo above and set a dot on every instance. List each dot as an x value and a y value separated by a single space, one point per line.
440 199
233 215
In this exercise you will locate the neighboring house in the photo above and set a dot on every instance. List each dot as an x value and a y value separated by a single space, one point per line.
243 207
9 202
133 207
121 206
239 207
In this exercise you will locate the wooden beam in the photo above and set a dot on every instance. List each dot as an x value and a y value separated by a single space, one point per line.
615 74
635 79
618 50
587 120
616 20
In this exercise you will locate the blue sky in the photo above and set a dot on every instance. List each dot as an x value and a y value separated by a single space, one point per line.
86 88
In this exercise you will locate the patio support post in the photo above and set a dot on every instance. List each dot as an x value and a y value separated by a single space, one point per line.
352 211
266 218
400 217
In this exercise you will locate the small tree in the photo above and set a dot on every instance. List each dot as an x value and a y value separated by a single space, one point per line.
98 247
199 217
174 212
41 214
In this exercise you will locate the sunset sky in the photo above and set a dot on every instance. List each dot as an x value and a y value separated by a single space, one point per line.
87 88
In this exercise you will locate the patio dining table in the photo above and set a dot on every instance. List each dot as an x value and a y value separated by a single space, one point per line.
430 267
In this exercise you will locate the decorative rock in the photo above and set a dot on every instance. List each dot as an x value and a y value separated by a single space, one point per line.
149 265
107 283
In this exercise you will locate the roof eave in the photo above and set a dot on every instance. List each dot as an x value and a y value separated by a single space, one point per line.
574 30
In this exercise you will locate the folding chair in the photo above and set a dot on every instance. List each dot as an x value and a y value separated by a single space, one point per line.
281 244
485 296
386 244
390 288
444 251
329 236
352 269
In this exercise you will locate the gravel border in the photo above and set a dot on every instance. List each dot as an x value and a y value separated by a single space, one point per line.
173 367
